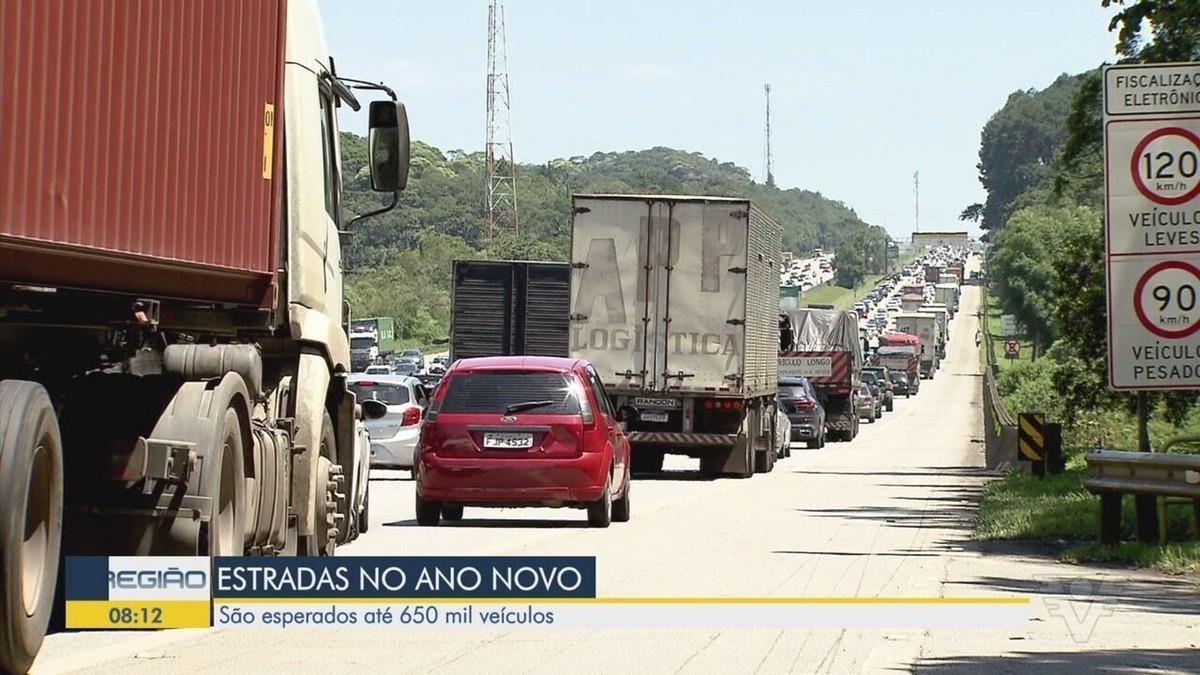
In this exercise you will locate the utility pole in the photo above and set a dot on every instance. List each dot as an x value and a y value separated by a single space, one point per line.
770 173
500 212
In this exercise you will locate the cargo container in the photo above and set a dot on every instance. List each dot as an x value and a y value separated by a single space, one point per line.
510 308
173 338
909 302
825 346
675 300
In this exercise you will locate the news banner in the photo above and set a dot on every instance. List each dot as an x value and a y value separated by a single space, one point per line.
151 593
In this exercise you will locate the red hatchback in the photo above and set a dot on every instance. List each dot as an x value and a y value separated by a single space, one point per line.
511 431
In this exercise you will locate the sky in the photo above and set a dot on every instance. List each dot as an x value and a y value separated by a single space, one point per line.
863 94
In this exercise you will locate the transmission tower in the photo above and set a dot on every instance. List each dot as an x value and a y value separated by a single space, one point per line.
770 172
917 199
501 209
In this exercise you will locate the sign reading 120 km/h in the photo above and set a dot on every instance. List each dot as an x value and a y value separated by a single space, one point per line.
1152 203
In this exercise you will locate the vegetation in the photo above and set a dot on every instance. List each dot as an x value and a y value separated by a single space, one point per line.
1041 162
399 264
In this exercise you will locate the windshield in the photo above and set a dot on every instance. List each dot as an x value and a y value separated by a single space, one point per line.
495 391
362 342
390 394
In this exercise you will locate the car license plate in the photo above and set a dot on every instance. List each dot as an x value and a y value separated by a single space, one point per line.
651 416
508 441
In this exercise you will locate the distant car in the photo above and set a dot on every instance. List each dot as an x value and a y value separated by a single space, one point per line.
510 431
900 384
415 356
406 367
805 413
783 430
394 436
867 407
378 370
883 378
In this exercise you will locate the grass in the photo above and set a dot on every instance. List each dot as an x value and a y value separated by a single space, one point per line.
844 298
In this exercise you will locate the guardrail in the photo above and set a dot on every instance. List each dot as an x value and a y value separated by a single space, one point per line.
1112 474
1000 433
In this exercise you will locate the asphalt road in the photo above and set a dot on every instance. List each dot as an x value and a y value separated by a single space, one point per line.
887 515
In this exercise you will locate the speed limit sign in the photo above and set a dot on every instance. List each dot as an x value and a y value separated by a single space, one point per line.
1152 203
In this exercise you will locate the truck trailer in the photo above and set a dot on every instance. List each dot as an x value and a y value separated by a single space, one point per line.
924 326
675 300
823 345
372 341
510 308
173 337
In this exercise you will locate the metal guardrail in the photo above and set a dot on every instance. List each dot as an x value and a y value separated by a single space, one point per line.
1111 474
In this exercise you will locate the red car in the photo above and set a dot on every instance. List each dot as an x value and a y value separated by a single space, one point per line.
510 431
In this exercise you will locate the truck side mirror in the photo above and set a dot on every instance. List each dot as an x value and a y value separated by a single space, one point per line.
389 146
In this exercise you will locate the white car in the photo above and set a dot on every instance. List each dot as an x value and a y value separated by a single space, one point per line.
394 436
783 430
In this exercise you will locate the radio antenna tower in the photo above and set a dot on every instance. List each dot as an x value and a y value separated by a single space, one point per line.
501 209
770 172
917 199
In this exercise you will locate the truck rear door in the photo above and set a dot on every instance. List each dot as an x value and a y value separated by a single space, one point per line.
658 290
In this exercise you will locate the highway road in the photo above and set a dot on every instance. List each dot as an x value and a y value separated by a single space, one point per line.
889 514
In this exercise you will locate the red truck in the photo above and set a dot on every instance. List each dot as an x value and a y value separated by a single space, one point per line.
932 273
900 352
173 333
823 345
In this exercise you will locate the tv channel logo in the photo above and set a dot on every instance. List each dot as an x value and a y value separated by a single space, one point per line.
149 578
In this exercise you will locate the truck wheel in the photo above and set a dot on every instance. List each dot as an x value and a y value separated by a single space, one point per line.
600 512
891 404
225 532
646 460
428 512
324 540
31 481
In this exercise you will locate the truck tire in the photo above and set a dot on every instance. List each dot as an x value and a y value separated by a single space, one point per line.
225 532
364 516
324 540
31 481
647 460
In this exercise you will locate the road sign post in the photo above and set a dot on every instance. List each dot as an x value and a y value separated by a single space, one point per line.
1012 349
1152 220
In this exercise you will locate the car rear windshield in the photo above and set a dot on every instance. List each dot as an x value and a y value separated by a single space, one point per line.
388 394
792 392
492 392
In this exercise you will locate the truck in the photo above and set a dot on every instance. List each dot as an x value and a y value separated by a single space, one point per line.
932 273
957 270
924 326
946 278
947 294
372 341
174 341
509 308
943 325
824 345
902 359
674 300
909 302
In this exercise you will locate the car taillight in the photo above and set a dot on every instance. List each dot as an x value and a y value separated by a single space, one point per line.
806 404
411 416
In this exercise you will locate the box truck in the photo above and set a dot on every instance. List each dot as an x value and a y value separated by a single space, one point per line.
372 340
508 308
924 326
675 301
173 335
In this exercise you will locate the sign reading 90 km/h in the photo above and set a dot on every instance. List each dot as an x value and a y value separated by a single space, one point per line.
1152 204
